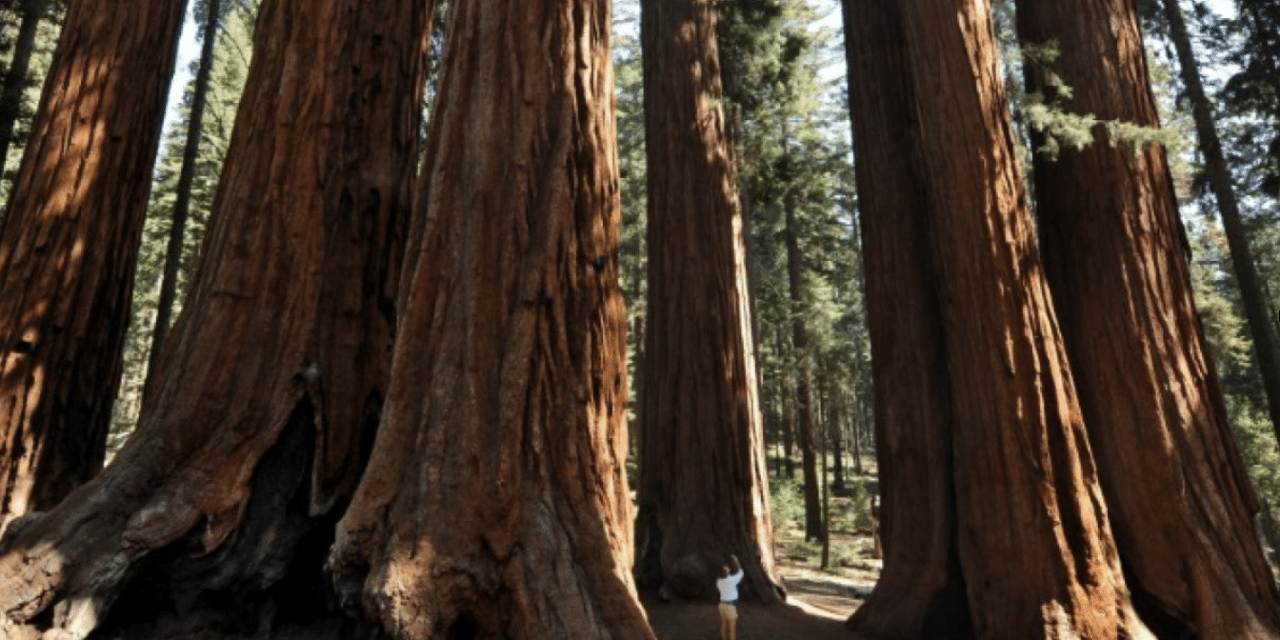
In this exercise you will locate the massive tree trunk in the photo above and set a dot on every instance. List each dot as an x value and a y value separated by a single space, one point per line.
1252 288
1117 259
186 177
15 78
496 503
273 383
703 482
921 592
1029 537
69 243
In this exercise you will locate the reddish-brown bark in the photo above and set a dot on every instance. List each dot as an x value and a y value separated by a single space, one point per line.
1030 539
703 483
496 504
920 593
69 243
278 364
1116 257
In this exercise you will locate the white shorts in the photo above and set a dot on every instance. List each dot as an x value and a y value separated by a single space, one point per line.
728 611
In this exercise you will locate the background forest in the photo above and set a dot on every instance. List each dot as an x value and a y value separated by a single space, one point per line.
787 83
786 86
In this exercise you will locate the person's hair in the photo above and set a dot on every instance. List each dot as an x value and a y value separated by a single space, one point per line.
724 571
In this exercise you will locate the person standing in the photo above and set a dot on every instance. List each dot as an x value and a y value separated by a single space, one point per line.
727 584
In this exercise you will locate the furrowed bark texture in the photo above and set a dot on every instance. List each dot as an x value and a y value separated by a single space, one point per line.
703 481
1117 259
1035 545
278 362
69 243
1032 538
496 504
921 592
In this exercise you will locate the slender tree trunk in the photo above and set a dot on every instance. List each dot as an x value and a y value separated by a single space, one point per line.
813 529
836 428
788 415
1252 294
1269 532
856 429
186 176
496 502
703 483
277 366
1011 538
1116 257
826 502
69 242
15 78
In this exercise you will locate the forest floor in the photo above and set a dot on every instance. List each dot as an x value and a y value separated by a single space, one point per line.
818 601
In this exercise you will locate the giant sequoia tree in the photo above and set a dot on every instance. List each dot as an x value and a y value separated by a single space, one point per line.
1016 540
921 592
1116 258
702 474
496 504
68 245
277 367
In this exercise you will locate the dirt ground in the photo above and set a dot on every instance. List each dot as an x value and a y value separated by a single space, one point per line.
809 614
818 603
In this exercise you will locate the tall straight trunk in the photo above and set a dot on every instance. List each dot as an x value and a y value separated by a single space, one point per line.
1116 257
186 176
1252 293
788 415
1011 535
69 242
278 364
856 439
837 431
496 502
921 591
703 491
805 421
15 77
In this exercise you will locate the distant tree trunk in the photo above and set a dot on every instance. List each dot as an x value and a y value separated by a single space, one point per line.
788 416
836 428
69 242
813 528
986 455
496 503
1116 257
278 364
826 500
186 176
703 483
1252 294
856 438
1270 531
15 78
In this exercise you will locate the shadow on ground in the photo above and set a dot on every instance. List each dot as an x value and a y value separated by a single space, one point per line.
815 610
